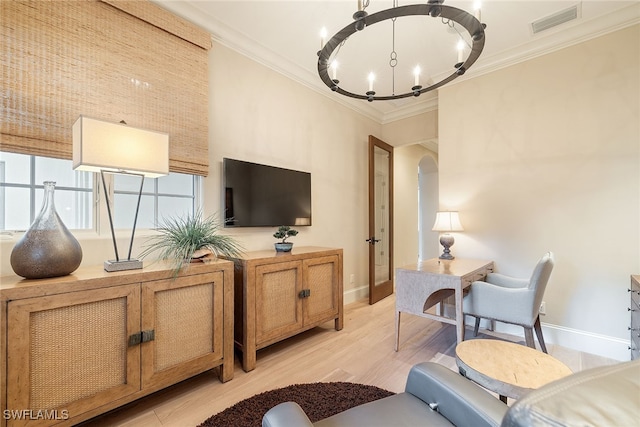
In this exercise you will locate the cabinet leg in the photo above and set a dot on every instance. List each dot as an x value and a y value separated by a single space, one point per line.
225 371
339 322
248 359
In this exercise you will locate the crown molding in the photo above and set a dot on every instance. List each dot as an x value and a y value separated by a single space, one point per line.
226 36
543 43
555 39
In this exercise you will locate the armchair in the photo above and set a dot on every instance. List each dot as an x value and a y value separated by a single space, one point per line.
511 300
437 396
434 395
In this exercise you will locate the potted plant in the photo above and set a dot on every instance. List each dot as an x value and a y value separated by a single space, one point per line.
284 232
191 238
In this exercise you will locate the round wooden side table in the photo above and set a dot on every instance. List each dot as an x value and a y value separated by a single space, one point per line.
506 368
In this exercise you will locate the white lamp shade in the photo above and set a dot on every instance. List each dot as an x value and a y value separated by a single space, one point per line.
104 146
447 221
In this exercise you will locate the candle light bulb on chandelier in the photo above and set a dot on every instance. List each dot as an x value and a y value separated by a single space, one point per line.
416 76
334 69
477 4
323 37
460 48
371 78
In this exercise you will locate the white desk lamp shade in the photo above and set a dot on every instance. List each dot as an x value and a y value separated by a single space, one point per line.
114 147
447 221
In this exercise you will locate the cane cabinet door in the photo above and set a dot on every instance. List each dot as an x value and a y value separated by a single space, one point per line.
321 277
183 318
69 353
278 310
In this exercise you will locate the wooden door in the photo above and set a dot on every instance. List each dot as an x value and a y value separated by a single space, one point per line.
278 307
320 276
186 317
380 237
69 353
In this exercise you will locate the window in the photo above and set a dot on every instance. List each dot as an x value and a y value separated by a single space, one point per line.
21 192
168 196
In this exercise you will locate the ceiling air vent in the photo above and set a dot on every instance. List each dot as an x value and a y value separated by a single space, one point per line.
556 19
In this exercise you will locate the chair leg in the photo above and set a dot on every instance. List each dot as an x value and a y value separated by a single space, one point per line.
528 337
476 327
538 329
397 330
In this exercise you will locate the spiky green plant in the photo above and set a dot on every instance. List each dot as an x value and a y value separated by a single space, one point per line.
181 236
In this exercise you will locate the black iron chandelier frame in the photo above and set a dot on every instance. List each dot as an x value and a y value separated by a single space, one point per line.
436 10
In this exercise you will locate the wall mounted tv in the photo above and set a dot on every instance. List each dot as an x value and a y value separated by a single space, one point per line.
265 196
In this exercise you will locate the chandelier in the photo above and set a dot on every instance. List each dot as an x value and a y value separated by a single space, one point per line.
468 27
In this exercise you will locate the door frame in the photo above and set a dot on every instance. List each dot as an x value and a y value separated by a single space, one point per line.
382 290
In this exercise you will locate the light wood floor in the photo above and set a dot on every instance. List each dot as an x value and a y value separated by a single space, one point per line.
362 352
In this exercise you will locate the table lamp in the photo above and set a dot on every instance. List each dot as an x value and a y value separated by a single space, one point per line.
447 221
116 148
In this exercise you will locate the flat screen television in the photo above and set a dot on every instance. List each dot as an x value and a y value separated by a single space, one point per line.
258 195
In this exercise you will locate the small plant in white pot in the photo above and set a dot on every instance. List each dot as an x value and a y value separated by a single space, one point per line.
284 232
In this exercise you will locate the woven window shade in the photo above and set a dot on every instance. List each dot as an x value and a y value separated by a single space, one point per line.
61 59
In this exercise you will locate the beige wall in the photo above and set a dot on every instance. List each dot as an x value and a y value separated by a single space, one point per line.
261 116
405 185
412 130
545 155
258 115
546 158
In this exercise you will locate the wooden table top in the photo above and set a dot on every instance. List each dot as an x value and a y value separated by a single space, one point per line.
507 368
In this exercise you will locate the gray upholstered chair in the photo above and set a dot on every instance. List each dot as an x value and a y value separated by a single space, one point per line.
437 396
511 300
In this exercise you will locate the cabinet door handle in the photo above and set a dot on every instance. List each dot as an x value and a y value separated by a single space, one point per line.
148 335
135 339
142 336
305 293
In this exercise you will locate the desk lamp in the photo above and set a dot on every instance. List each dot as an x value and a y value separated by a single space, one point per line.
116 148
445 222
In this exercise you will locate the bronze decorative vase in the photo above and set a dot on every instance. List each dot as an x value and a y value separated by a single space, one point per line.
47 249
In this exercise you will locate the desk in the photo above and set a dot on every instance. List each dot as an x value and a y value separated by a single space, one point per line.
509 369
422 285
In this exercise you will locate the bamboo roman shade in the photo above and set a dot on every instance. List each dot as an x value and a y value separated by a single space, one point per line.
112 60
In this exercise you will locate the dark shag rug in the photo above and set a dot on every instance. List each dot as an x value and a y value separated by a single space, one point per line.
318 400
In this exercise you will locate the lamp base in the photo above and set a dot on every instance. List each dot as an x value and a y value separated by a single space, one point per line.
446 240
122 265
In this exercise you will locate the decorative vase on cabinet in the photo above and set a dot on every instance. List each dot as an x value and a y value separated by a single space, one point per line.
47 248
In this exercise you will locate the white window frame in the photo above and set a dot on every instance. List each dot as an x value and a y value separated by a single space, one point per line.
100 218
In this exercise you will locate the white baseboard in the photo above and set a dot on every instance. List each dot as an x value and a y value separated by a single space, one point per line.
575 339
587 342
358 294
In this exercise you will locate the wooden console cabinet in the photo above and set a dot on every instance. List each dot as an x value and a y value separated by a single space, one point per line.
74 347
280 294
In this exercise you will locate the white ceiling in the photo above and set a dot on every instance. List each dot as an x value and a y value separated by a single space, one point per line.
285 36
